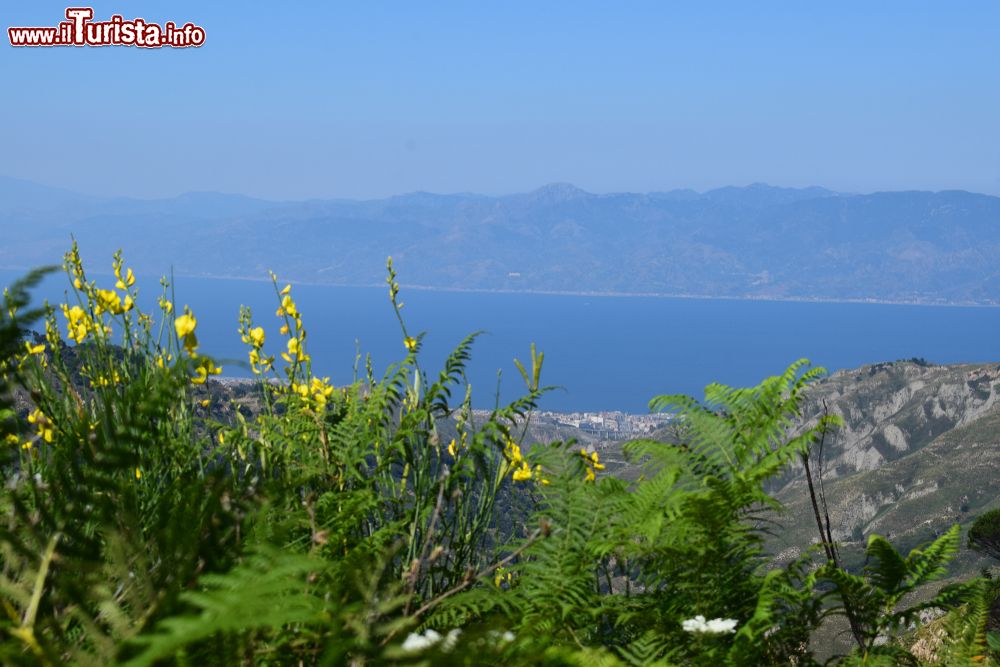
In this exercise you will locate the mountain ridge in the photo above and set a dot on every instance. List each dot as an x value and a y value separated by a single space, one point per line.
752 242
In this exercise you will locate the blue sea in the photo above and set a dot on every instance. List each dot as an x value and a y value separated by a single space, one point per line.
603 353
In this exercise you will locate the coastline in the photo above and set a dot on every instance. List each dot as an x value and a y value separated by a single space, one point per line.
578 293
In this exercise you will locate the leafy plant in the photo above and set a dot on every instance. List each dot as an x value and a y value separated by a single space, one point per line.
875 597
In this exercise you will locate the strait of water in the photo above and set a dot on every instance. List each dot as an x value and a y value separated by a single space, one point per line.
606 353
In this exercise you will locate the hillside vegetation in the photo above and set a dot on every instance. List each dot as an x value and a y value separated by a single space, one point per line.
345 525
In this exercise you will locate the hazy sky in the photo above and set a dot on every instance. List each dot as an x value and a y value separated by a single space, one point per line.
364 99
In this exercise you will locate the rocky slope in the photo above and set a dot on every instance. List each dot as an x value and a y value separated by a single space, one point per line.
918 451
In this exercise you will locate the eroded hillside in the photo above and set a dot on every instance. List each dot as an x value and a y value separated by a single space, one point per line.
918 451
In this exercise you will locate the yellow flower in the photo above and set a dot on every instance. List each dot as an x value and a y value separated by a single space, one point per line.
127 281
43 425
257 337
13 440
592 461
288 306
110 301
78 324
206 403
138 473
321 389
451 448
185 325
286 290
205 368
538 476
34 349
502 575
410 343
166 306
294 347
523 473
284 329
316 390
513 452
107 381
265 365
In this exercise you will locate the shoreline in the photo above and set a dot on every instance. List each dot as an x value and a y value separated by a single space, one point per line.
584 293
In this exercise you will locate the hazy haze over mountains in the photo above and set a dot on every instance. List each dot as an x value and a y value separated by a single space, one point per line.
757 241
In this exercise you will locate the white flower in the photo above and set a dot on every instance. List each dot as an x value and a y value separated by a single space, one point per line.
717 626
451 639
506 637
696 624
416 642
722 626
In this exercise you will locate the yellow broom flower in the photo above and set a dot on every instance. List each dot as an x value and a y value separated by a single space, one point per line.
185 325
257 337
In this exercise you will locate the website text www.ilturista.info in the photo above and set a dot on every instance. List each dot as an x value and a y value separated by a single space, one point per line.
81 30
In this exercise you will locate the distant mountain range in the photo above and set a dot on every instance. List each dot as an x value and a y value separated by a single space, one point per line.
757 241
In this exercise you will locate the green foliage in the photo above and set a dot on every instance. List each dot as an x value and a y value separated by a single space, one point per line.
269 591
383 522
966 641
874 598
984 535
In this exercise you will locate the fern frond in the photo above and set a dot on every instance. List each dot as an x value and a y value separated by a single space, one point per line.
269 592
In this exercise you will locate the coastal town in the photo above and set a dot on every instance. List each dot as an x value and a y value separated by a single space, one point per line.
599 425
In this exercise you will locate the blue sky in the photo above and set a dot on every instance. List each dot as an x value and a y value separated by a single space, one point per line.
366 99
